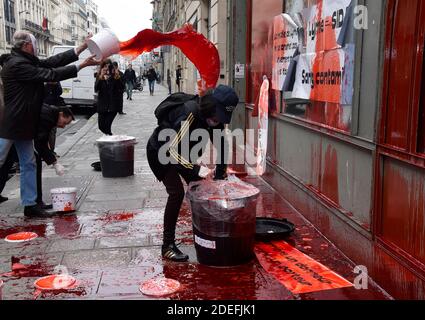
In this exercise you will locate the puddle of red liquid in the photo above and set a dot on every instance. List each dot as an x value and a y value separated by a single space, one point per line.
40 230
195 46
118 217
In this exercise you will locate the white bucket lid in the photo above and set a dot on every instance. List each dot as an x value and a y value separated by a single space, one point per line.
104 44
120 138
63 191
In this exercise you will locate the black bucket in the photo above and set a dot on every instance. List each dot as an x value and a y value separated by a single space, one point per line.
224 230
117 158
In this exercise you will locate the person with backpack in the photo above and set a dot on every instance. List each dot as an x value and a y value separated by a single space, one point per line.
212 111
152 77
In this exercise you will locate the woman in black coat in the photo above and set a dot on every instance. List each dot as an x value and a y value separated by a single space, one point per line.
109 88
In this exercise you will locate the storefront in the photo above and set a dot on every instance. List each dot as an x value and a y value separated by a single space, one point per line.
346 129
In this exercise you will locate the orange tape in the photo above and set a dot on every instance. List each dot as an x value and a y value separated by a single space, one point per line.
296 271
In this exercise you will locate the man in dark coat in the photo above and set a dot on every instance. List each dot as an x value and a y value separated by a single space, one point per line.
23 76
152 77
130 81
210 112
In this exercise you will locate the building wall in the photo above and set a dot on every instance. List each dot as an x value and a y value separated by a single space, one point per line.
79 21
333 176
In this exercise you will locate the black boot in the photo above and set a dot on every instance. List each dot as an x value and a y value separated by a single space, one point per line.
36 212
171 252
45 206
3 199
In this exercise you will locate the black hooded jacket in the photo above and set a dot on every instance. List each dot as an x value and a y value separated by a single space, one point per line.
48 121
23 78
170 115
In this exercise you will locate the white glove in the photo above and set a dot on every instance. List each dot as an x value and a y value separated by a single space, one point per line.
60 169
204 172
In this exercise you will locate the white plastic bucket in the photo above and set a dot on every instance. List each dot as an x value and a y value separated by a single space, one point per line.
64 199
104 44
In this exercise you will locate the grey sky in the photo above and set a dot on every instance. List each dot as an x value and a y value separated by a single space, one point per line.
126 17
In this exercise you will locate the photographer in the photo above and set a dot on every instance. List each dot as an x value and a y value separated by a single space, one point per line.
108 87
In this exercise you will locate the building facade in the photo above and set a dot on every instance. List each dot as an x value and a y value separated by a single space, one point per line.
79 21
207 17
352 163
93 23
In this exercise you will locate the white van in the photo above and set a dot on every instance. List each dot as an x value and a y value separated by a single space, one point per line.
79 91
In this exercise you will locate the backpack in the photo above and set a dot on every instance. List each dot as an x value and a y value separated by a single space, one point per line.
172 102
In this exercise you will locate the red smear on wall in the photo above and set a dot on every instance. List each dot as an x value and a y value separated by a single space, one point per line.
329 181
296 271
195 46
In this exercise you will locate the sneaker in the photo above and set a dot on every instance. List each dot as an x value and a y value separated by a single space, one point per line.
36 212
3 199
171 252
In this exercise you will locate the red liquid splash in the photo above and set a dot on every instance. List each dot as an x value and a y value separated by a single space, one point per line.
195 46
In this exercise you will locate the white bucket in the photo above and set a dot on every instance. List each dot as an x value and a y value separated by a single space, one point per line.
64 199
104 44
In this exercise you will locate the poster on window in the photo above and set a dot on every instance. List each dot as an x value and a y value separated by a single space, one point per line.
326 76
323 23
285 43
263 128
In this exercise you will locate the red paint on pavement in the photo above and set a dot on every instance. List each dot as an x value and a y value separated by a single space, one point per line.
195 46
119 217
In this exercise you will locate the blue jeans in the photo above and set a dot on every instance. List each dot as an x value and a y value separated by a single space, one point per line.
130 87
152 86
28 165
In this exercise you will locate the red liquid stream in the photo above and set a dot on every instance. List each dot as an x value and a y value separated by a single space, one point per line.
195 46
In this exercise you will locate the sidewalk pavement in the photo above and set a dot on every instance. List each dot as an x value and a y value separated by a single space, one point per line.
112 243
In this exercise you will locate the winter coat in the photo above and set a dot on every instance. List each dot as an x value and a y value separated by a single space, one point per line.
109 98
53 93
48 121
152 75
130 76
23 78
176 109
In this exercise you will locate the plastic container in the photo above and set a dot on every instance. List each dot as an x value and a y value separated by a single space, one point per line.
64 199
224 221
104 44
116 156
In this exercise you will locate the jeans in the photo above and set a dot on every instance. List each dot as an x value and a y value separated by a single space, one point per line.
25 150
152 86
39 178
130 87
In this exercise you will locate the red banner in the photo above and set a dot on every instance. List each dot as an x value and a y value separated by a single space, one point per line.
296 271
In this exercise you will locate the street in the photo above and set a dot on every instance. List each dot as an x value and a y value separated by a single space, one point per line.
112 243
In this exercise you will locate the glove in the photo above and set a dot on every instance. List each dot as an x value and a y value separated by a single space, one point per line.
204 172
60 169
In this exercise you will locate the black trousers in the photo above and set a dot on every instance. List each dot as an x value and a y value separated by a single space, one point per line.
175 190
12 157
105 121
39 162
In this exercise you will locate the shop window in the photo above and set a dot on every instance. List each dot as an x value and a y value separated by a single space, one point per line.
320 88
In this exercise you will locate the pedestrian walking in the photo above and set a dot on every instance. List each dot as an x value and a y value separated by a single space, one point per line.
109 86
169 81
51 118
178 77
120 91
152 77
130 81
23 76
210 112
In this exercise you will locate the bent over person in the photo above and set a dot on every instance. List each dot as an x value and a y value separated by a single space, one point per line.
210 112
23 76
